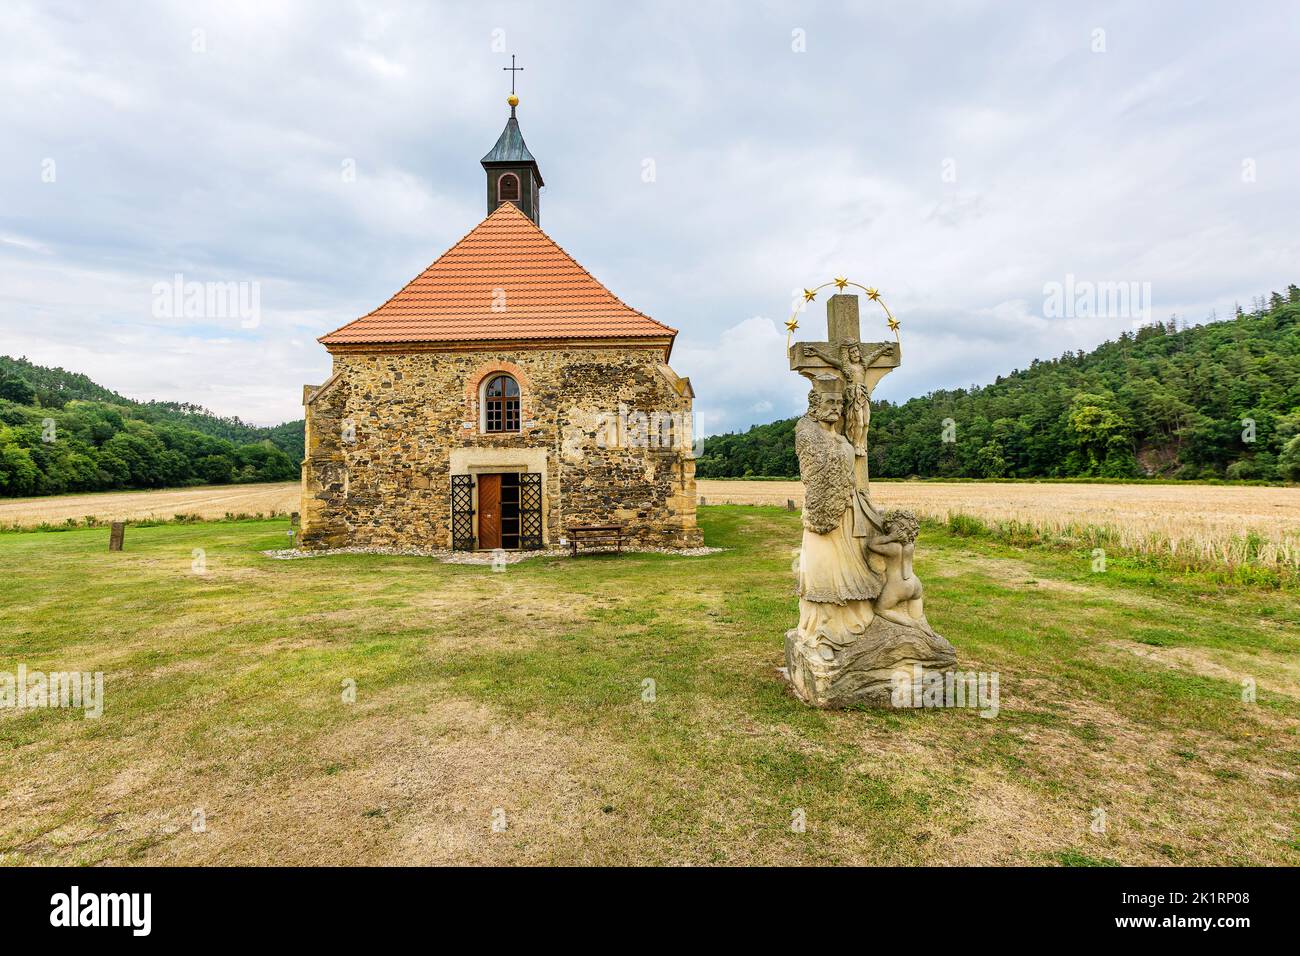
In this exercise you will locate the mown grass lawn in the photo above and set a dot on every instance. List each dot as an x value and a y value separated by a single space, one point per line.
519 698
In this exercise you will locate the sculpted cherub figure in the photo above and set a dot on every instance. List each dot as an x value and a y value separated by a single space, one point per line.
852 363
900 598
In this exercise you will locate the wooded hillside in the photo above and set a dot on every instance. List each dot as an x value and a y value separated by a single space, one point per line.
1220 400
60 432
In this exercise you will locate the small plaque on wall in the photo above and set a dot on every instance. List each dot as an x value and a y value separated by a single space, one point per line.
467 425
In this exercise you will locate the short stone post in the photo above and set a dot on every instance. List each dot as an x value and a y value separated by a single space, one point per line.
116 532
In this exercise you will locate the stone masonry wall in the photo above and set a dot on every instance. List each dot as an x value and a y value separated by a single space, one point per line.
614 423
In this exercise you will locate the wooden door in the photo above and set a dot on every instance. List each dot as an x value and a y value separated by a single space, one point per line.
489 511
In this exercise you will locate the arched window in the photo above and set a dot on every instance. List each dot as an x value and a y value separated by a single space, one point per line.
501 404
508 187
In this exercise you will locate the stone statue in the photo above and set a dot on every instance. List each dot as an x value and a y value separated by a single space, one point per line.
861 619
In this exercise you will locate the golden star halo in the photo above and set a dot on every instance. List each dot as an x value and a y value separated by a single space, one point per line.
841 283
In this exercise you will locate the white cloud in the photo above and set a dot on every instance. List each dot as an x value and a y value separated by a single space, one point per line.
774 169
746 372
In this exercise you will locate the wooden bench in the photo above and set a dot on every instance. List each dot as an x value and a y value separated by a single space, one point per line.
591 534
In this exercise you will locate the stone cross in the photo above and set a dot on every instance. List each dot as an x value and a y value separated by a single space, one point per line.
842 328
810 359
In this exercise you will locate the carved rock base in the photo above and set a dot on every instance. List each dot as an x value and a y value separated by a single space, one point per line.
860 673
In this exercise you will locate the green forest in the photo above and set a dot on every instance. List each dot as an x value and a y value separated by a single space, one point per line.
1213 401
61 432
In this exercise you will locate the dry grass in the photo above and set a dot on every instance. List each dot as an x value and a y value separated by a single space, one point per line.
523 692
1203 524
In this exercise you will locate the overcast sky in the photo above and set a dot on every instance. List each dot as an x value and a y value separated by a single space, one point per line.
702 160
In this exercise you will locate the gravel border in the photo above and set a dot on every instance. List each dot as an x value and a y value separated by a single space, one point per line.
478 557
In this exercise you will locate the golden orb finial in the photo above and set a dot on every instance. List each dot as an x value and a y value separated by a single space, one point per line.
512 100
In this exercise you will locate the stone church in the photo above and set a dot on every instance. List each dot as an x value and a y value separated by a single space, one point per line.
501 397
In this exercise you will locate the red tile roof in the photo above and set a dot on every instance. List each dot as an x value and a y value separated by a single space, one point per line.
506 280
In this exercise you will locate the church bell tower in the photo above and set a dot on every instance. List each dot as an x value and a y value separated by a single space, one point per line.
512 173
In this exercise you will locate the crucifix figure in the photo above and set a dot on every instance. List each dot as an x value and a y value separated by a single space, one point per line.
513 70
859 364
853 364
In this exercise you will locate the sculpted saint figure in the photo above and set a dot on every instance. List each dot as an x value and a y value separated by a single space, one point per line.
836 585
900 599
853 365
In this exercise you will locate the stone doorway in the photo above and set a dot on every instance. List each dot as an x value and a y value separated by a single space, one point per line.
500 518
497 509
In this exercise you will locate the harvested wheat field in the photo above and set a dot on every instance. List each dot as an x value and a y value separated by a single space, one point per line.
1206 524
208 501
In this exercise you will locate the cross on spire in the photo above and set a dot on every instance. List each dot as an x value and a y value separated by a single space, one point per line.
513 70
